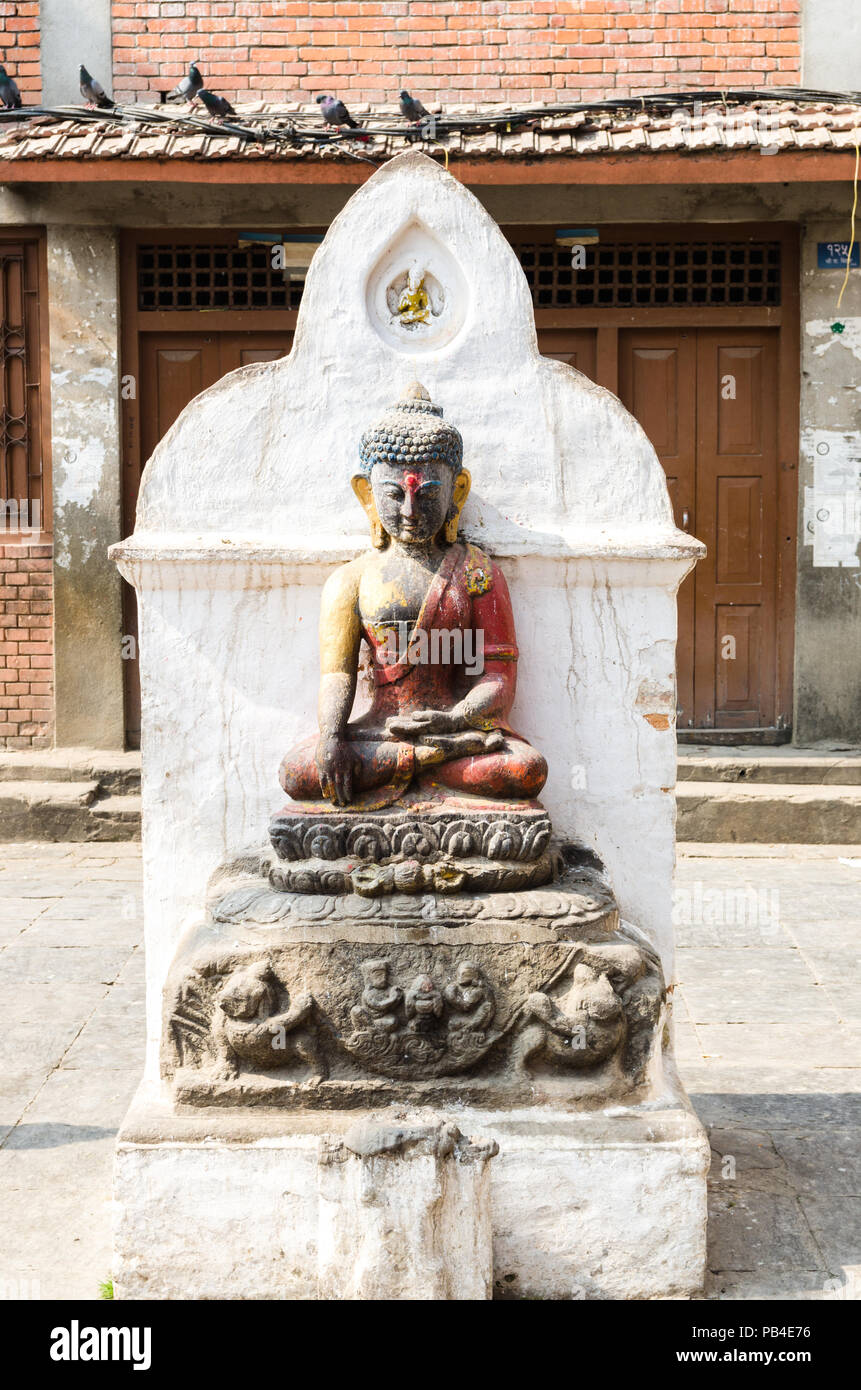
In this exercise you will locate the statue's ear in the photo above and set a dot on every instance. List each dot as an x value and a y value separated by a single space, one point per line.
364 492
460 492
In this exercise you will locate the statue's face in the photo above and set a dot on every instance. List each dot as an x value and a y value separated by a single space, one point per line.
412 503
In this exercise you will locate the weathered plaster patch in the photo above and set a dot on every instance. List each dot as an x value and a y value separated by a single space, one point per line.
850 337
81 463
832 506
658 721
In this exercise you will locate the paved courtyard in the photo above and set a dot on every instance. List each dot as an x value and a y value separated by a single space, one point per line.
768 1022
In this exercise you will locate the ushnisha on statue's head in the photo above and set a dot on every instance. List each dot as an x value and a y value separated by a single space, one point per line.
411 483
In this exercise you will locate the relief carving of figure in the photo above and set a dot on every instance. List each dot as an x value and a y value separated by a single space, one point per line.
380 1000
249 1024
470 999
436 617
585 1028
423 1004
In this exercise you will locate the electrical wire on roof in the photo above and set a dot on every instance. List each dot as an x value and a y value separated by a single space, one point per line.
299 130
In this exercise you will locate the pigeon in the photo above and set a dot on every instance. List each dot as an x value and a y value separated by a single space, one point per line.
336 113
9 94
411 109
215 105
188 88
93 92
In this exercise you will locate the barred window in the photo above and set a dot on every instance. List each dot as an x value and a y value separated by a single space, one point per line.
213 276
653 274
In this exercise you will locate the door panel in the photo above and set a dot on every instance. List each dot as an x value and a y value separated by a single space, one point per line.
737 678
738 549
174 368
740 414
657 382
576 346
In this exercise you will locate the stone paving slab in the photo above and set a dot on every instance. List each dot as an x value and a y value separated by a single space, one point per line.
767 1024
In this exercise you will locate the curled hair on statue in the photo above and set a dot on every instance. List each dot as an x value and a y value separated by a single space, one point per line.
409 434
412 432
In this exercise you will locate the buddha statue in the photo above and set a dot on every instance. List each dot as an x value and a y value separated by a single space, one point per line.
436 617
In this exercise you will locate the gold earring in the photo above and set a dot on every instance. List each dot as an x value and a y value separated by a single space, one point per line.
460 492
362 488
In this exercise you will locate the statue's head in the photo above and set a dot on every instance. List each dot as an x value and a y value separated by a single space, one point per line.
375 973
411 484
247 989
468 973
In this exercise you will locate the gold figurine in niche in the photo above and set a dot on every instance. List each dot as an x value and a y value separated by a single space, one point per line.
414 303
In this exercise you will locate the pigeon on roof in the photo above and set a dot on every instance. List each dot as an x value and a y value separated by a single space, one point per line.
189 87
335 113
411 108
93 92
9 94
215 105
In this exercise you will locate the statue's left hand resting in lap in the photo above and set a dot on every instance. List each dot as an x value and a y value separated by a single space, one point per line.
436 616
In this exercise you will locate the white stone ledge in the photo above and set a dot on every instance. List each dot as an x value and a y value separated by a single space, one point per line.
255 562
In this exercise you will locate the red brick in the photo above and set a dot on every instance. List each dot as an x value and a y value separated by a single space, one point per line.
483 50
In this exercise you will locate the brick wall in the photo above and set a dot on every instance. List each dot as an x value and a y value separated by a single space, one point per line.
477 50
19 46
26 646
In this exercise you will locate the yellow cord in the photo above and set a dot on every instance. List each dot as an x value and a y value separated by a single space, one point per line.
445 152
852 238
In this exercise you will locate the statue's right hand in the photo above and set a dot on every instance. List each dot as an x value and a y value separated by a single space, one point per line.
337 764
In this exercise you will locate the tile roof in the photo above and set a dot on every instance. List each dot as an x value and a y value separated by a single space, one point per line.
163 133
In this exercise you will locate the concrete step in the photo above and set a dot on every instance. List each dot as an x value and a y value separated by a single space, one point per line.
768 813
66 810
113 771
829 765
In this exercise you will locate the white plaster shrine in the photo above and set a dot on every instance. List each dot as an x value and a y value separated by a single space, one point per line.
244 510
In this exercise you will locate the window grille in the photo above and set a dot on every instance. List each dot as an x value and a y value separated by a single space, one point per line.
213 276
653 274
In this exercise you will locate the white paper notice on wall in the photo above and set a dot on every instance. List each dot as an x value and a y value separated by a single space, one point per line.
832 507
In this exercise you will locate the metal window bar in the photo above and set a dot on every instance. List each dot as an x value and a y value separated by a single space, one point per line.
212 276
653 274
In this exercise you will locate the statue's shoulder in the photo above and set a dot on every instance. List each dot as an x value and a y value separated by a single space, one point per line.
479 571
344 581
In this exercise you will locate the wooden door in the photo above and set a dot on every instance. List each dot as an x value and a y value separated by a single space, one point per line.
737 517
707 399
174 368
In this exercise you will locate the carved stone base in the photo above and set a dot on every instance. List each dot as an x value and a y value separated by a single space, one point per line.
308 1001
595 1206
